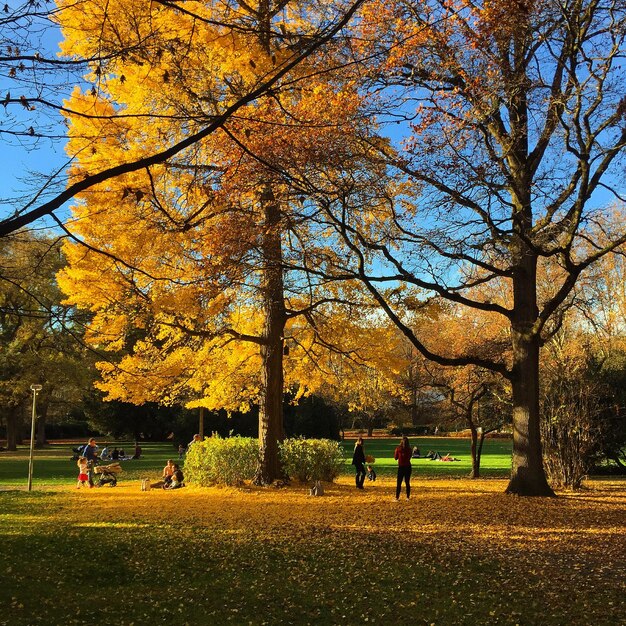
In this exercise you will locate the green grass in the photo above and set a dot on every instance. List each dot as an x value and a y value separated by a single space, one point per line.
53 465
495 458
460 552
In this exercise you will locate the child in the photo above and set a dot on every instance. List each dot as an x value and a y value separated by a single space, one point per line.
83 468
371 474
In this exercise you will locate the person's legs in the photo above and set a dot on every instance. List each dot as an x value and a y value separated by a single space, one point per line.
360 475
399 482
407 479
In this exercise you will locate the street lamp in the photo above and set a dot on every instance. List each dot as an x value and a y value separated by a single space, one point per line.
34 389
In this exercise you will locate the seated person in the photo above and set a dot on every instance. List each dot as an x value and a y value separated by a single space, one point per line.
416 453
104 455
433 455
166 477
137 452
371 473
115 455
177 481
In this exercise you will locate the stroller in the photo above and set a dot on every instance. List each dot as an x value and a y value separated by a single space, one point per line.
107 474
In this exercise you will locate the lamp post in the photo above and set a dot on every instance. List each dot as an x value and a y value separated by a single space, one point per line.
34 389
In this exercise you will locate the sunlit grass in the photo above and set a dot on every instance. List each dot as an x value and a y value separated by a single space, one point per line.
459 552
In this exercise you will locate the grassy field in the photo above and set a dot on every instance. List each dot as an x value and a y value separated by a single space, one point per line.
52 465
459 552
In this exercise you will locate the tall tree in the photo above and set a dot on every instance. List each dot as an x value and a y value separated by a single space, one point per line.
38 334
514 131
28 34
194 256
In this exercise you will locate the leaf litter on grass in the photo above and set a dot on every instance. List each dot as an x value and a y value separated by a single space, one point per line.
459 552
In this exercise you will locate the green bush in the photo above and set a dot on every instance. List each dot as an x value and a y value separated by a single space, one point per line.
311 459
217 461
233 460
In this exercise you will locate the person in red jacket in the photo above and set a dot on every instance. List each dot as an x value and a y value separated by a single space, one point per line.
403 456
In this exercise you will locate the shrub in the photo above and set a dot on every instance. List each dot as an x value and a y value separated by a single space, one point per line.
220 461
311 459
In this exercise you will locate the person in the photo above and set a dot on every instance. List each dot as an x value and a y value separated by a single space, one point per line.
166 476
90 452
416 453
403 456
447 457
104 455
115 455
195 439
122 456
358 460
137 452
177 478
371 473
181 450
83 470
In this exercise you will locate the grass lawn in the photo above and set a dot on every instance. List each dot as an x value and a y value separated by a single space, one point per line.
495 458
52 465
459 552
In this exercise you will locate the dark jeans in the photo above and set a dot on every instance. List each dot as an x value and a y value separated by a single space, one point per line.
404 473
360 474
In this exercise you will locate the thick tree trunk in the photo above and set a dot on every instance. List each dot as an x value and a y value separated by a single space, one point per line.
528 477
271 401
42 410
13 427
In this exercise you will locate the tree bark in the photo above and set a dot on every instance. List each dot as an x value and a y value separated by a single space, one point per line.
42 410
271 400
528 477
13 428
475 473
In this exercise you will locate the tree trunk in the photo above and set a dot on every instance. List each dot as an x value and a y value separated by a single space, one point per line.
13 427
475 473
42 410
528 477
271 400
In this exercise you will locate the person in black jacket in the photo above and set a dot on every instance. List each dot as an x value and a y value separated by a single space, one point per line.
358 460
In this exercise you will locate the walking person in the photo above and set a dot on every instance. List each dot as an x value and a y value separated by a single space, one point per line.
403 456
83 468
358 460
90 452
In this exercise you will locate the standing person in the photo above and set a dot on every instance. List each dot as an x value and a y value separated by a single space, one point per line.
358 460
181 450
90 452
403 456
83 469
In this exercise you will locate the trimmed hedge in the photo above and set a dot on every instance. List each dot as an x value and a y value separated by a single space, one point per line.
233 460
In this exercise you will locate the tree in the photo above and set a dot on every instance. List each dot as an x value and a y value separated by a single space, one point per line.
209 274
38 334
515 127
22 28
